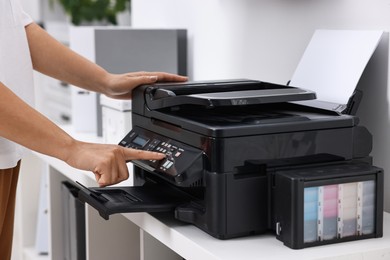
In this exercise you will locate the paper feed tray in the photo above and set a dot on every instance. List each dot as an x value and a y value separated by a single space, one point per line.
222 93
147 198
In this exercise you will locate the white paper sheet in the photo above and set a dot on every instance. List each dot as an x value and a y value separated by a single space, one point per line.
334 61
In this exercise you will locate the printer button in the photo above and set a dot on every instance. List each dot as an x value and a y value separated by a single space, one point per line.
165 165
155 142
169 165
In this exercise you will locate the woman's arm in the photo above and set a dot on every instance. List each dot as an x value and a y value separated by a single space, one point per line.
24 125
52 58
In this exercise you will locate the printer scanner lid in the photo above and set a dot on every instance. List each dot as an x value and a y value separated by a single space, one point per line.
239 108
222 93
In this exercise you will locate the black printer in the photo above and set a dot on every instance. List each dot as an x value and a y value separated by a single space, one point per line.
245 157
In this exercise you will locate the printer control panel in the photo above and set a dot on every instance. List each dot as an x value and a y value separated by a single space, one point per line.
180 159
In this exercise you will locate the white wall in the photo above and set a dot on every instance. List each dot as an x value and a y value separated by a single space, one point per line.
264 39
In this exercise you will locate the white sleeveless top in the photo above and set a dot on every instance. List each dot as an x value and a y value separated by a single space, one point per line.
16 70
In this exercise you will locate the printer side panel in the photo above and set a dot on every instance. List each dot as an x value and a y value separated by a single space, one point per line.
234 205
247 208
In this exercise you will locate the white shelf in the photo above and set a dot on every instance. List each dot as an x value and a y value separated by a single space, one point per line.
194 244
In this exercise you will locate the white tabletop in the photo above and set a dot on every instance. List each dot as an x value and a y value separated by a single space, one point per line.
194 244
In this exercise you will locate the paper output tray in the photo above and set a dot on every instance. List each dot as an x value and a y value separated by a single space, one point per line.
147 198
220 93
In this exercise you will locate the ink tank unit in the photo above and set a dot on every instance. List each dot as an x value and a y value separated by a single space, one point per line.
327 204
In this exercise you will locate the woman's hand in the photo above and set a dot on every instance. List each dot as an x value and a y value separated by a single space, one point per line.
107 162
120 86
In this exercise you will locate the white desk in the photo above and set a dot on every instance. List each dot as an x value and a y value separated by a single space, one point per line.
117 237
194 244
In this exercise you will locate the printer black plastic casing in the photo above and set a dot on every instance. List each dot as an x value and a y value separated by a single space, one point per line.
233 148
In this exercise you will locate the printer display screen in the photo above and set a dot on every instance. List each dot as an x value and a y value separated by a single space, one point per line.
140 141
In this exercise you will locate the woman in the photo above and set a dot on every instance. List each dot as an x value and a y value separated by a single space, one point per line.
24 46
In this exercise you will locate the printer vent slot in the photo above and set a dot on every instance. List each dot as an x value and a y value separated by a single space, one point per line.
198 183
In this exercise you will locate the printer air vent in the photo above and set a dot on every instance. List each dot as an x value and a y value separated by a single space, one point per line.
198 183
